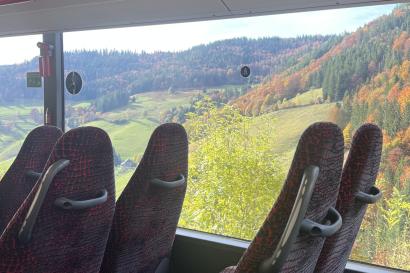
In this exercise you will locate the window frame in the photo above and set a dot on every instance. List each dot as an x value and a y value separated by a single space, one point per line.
54 106
54 96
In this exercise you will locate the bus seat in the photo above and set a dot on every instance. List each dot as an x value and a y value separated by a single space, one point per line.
356 191
64 223
16 184
148 210
280 246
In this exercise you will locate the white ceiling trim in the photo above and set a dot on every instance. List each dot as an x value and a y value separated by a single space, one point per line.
71 15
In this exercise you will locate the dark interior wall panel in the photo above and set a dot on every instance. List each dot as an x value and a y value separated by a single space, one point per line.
205 254
197 252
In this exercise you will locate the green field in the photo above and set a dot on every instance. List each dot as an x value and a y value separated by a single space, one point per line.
4 165
308 98
15 123
130 127
289 124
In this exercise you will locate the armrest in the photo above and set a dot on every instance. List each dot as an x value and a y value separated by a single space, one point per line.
69 204
169 184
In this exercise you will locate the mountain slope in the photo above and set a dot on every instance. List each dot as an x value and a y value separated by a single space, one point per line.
202 66
343 68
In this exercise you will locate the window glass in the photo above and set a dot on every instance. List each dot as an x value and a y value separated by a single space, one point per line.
21 108
243 131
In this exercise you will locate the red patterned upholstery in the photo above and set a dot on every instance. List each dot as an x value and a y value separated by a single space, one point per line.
146 216
320 145
15 184
359 174
67 240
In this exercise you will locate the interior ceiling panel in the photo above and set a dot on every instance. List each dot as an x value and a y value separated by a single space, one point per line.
283 6
9 2
39 16
63 15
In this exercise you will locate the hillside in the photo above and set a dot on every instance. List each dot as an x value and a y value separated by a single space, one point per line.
202 66
342 68
16 120
289 129
287 136
131 126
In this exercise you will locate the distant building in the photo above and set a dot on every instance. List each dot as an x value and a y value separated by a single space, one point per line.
128 164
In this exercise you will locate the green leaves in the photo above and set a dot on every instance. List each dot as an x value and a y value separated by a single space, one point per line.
234 175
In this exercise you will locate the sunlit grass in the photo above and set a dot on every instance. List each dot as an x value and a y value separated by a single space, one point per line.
289 124
308 98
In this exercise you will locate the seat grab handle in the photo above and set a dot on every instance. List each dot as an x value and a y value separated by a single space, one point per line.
33 174
372 197
26 229
307 185
169 185
312 228
69 204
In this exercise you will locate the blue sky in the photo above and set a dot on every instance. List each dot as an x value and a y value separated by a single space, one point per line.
176 37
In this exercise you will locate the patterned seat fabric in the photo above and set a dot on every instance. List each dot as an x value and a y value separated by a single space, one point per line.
66 240
359 174
320 145
15 184
146 215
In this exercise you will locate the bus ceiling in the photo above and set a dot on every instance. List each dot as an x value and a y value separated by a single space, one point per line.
18 17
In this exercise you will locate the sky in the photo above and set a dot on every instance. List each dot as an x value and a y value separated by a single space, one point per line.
181 36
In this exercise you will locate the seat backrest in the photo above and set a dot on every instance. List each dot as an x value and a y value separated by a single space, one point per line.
64 238
16 184
359 175
148 209
321 145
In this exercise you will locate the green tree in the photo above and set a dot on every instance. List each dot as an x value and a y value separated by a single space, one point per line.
347 135
269 100
234 175
391 120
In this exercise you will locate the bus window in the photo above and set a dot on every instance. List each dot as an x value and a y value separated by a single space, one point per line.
21 107
244 123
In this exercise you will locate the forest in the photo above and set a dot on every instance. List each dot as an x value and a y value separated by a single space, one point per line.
243 131
202 66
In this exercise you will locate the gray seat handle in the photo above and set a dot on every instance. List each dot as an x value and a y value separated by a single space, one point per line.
372 197
312 228
169 184
33 174
274 263
69 204
24 235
